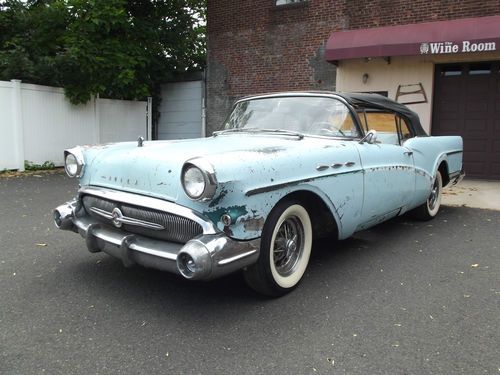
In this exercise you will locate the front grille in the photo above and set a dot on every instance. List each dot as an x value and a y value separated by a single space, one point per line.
177 228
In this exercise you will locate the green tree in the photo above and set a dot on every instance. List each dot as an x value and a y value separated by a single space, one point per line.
115 48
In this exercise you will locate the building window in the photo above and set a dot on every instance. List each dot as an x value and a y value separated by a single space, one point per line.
286 2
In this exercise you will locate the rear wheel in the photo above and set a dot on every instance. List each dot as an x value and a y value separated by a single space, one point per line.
430 208
284 252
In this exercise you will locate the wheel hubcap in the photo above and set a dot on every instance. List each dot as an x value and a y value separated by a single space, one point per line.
288 246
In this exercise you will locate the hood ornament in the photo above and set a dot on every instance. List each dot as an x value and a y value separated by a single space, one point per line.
140 141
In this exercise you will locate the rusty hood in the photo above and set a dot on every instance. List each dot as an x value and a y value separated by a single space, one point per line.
155 168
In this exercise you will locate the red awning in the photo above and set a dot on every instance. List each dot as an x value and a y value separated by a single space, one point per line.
466 35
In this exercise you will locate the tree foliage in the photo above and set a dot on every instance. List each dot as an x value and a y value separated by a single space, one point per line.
115 48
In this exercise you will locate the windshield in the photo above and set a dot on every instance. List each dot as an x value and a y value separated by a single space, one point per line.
305 115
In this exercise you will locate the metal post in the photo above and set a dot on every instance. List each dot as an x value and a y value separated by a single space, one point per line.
97 120
149 121
18 123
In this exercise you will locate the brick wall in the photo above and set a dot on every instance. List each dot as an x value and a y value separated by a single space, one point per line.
255 47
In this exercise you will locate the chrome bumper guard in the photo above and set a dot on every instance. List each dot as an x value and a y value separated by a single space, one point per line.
205 257
458 178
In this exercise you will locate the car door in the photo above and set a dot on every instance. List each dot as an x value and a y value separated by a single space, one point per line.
388 168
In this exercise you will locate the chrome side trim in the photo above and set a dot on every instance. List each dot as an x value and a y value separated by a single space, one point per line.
150 202
269 188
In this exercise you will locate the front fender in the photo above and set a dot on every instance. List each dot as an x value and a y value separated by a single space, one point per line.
341 194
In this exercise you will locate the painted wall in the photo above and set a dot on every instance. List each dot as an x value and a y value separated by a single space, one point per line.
387 77
402 70
37 123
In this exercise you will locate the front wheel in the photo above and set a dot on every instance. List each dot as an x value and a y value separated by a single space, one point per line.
284 251
430 208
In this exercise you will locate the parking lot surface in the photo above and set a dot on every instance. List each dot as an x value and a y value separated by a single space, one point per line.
402 298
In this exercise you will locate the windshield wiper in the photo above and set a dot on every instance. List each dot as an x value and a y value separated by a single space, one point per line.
257 130
234 130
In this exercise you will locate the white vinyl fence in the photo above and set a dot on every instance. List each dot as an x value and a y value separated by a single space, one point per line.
37 123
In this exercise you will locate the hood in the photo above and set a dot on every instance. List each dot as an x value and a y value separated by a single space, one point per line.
155 168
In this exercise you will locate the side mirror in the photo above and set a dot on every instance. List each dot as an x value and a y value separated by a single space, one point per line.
370 137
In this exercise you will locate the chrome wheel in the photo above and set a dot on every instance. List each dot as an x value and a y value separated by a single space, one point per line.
288 246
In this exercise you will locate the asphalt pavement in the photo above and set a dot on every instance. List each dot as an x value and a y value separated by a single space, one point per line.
402 298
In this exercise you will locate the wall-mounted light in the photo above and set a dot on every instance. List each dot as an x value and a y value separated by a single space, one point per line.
365 78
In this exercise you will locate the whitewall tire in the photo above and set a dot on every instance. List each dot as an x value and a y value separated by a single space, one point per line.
430 208
285 250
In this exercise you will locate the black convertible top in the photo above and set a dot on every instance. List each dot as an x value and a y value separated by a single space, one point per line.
377 101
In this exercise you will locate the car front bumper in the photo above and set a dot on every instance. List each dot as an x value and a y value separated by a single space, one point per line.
205 257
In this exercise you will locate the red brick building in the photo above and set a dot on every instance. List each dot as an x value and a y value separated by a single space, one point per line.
448 52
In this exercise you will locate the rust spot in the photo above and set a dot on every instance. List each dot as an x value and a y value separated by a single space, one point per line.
217 200
254 224
270 150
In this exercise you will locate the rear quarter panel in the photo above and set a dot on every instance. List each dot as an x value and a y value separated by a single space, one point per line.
428 154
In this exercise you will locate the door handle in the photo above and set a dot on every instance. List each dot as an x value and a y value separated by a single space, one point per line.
409 153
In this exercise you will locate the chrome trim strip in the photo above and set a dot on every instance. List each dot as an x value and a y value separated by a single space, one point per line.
104 214
150 202
157 253
236 257
126 220
266 189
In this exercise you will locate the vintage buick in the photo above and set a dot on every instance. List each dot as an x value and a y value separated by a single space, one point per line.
285 169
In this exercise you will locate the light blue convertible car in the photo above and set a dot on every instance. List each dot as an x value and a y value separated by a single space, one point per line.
285 169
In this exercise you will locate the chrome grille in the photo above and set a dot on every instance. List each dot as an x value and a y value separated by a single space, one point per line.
177 228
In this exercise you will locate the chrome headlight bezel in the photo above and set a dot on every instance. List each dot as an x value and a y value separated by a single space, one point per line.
209 178
77 153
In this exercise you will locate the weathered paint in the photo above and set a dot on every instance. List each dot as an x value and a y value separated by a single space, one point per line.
255 171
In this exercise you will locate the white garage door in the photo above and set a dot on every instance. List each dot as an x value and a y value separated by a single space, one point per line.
180 110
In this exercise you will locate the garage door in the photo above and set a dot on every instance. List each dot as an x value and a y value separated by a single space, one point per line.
467 102
180 110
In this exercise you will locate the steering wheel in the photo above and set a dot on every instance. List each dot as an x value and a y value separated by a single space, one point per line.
324 127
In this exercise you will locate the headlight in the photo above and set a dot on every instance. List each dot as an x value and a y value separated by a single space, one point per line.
73 162
194 182
71 165
198 179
